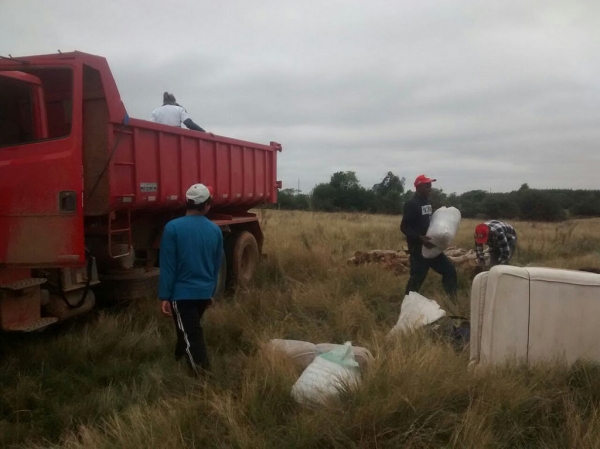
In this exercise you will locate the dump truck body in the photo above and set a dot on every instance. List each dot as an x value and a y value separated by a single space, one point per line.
85 190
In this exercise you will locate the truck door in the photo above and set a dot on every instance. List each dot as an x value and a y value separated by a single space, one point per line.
41 179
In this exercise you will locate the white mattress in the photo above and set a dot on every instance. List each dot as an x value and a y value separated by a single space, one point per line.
534 314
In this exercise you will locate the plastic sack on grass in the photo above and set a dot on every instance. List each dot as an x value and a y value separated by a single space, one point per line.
442 230
302 353
362 355
327 375
417 311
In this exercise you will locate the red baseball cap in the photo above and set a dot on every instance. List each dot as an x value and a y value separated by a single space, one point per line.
422 179
482 232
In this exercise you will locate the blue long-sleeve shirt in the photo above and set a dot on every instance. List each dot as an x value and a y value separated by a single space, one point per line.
190 258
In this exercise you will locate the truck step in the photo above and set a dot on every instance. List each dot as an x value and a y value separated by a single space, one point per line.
32 325
23 283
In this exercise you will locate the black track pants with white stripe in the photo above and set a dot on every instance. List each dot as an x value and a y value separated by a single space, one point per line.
190 336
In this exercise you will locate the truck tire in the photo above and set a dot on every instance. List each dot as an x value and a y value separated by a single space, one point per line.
222 280
244 258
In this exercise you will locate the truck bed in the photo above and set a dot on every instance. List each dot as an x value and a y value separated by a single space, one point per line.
148 165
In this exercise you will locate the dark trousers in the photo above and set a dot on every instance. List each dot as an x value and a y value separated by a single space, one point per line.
419 267
190 336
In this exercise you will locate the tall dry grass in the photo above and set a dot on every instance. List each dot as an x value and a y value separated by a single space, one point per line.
110 381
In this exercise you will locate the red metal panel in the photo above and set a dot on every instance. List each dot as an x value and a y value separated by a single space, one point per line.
262 189
33 230
236 170
222 168
208 165
168 184
190 165
147 167
159 166
124 166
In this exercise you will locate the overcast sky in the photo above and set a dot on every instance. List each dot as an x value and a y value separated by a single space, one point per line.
480 95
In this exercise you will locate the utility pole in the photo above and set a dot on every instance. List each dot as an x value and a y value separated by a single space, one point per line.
298 192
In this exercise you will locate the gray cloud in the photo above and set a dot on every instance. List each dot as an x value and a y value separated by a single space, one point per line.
478 94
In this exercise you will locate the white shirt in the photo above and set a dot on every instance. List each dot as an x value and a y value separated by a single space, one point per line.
169 114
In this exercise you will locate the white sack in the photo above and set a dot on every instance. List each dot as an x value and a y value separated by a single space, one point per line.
327 375
442 230
301 352
417 311
362 355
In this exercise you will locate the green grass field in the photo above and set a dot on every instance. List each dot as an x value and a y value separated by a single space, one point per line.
109 380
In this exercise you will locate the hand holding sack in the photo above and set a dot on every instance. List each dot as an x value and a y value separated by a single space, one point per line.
442 230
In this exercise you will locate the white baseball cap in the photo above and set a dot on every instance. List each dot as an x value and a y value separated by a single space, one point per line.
198 193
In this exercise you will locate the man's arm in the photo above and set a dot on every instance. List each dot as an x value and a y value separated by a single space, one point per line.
168 264
479 251
218 253
191 125
503 247
409 215
153 116
187 120
217 258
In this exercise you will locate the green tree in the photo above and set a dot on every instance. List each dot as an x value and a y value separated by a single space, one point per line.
285 199
388 193
587 205
390 182
343 193
344 180
323 197
437 198
470 203
499 206
290 199
540 206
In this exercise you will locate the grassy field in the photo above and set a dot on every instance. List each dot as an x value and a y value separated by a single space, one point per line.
110 381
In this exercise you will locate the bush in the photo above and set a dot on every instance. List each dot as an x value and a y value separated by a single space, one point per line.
587 206
499 206
540 206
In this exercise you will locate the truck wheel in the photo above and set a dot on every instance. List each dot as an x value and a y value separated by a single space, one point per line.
222 280
244 258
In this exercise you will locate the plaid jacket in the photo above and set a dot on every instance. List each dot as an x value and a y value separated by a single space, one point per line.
501 234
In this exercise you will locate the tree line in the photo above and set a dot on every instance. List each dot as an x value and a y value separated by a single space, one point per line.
344 193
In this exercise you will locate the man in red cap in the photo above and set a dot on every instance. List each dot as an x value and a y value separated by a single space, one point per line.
415 222
500 237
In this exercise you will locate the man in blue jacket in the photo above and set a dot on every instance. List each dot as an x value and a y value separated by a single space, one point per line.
190 259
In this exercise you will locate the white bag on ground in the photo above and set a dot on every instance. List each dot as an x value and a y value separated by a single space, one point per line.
327 375
442 230
362 355
301 352
417 311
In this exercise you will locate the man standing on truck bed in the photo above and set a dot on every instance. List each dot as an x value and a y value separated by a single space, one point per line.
415 222
170 113
500 237
190 258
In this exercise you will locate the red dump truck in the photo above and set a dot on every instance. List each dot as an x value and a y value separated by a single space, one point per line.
85 191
